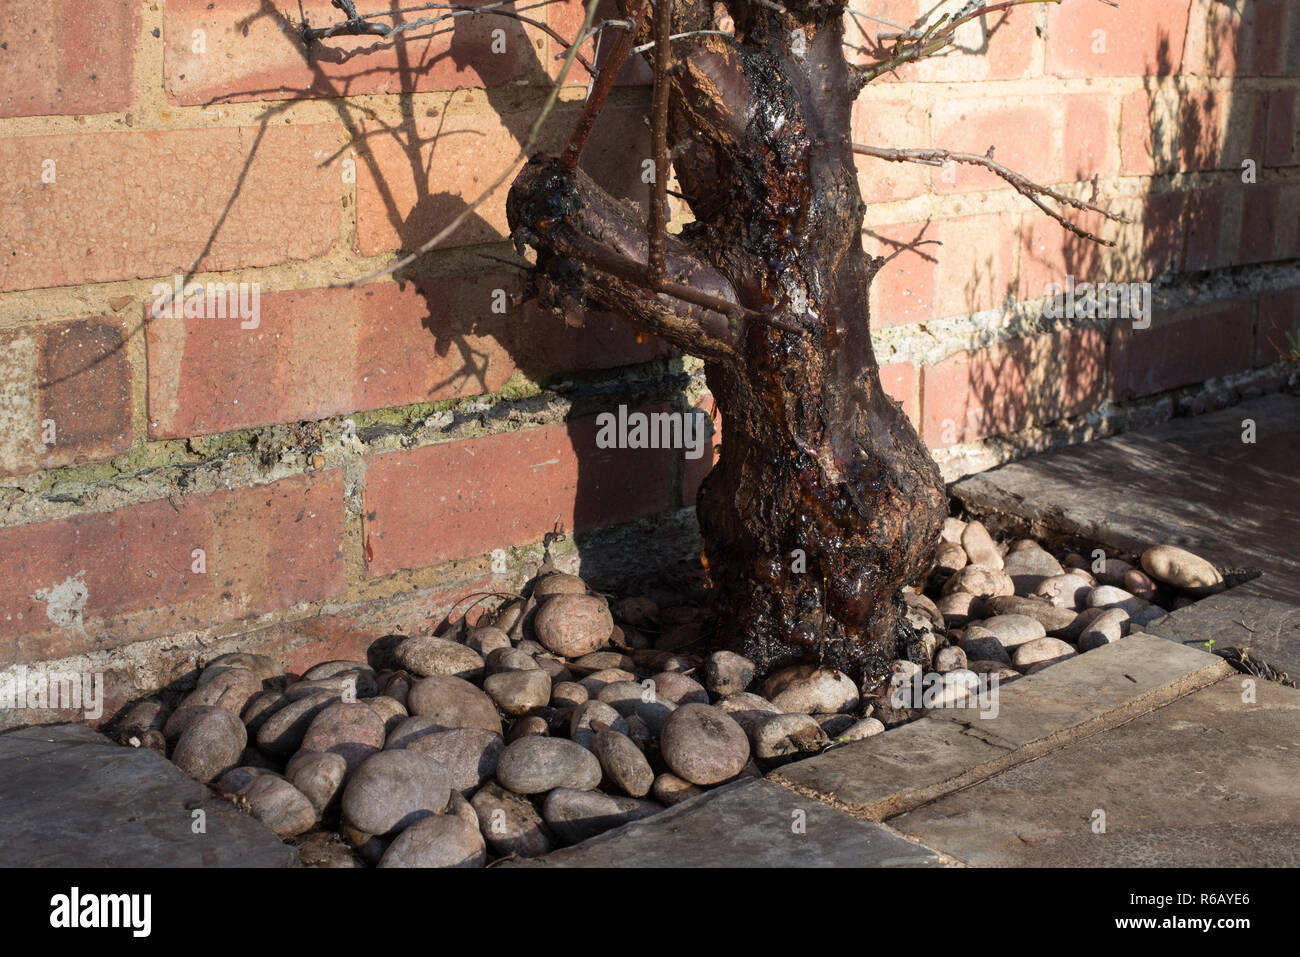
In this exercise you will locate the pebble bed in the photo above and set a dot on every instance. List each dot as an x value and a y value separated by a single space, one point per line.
562 714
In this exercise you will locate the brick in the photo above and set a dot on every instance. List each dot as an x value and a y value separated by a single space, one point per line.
903 291
1213 227
1283 141
1095 39
266 547
892 124
1148 135
900 380
866 40
565 17
68 56
1049 253
130 205
1259 38
1220 130
481 494
1269 37
250 57
405 197
1279 315
976 263
546 346
1000 46
1185 347
1270 220
1146 247
69 382
1089 145
321 352
1011 386
974 125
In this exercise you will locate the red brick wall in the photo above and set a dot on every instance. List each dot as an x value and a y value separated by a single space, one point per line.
355 451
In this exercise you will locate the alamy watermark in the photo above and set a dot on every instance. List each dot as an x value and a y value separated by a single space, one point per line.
208 300
1102 300
654 430
21 689
955 689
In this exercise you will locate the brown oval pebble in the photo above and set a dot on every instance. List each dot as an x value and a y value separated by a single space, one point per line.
703 744
453 703
319 776
394 789
574 625
352 730
213 742
558 583
442 841
279 805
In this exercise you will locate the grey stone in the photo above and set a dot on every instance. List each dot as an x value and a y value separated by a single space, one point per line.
951 748
1160 486
745 824
1205 781
69 797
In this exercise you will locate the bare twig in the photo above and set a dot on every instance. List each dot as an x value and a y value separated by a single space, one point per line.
365 24
657 224
1030 190
919 43
600 91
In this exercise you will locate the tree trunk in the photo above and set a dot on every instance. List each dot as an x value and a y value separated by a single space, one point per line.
824 504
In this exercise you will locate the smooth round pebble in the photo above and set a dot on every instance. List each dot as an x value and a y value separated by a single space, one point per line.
442 841
425 655
213 742
510 824
1044 649
394 789
533 765
575 816
623 763
573 625
703 744
453 703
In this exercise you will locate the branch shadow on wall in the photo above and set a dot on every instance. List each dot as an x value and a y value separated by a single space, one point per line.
398 161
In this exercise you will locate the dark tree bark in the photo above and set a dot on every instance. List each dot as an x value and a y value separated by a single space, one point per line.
818 461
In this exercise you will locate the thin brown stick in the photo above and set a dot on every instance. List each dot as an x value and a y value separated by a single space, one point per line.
600 91
1030 190
365 25
936 37
657 224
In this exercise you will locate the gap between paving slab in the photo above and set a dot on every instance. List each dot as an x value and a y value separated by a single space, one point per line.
954 748
1269 630
1209 780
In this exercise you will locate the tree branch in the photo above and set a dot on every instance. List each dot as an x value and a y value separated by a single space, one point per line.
1030 190
921 42
366 24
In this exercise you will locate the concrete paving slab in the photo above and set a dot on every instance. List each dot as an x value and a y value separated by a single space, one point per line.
1210 780
752 823
69 797
1269 630
953 748
1191 482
